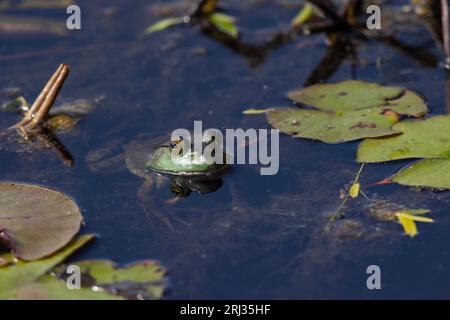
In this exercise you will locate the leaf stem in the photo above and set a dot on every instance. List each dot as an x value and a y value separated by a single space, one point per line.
337 214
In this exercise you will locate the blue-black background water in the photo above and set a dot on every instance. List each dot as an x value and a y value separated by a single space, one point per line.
257 236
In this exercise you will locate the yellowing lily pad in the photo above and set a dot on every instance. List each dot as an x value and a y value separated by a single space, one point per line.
346 95
36 221
428 138
433 173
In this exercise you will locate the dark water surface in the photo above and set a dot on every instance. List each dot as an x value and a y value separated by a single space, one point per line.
256 237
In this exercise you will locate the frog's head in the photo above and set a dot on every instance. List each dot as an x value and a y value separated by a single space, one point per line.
178 158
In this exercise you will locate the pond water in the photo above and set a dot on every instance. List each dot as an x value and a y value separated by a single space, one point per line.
257 236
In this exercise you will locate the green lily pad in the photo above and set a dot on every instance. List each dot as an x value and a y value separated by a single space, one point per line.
329 127
428 138
49 288
143 280
433 173
345 96
346 111
44 279
36 221
408 104
23 273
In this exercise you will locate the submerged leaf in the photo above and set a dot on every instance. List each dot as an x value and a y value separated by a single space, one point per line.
428 138
164 24
31 26
432 173
224 23
36 221
15 104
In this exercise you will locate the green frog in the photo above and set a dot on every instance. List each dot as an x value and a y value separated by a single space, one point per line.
187 170
162 164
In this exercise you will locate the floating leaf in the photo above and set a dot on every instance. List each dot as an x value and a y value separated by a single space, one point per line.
224 23
329 127
6 259
164 24
408 225
255 111
145 280
346 111
428 138
36 221
354 190
23 273
409 104
303 16
407 218
40 279
49 288
433 173
348 95
29 280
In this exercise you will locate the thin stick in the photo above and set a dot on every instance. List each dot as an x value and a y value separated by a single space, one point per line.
50 97
45 100
38 102
445 32
347 196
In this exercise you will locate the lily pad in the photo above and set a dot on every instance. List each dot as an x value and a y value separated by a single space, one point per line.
428 138
49 288
433 173
42 279
346 95
409 104
329 127
346 111
141 280
22 273
36 221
